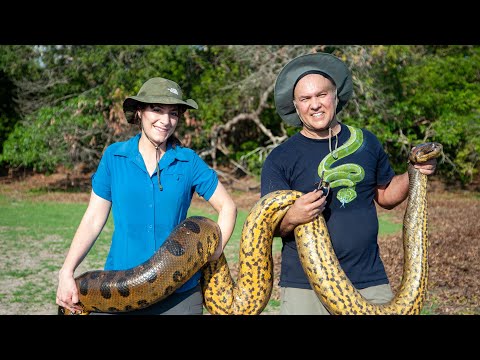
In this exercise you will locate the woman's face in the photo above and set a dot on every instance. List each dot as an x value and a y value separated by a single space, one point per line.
315 101
159 121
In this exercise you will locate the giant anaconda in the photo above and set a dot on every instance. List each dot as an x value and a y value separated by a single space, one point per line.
182 254
191 243
330 282
253 288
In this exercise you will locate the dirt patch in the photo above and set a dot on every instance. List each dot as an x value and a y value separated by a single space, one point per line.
454 253
454 235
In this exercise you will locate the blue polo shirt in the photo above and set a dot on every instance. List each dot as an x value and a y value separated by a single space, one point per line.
144 216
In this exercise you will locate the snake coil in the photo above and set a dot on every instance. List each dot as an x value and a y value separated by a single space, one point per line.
183 253
252 291
188 247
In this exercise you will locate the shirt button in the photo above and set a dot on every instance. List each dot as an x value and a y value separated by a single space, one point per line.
150 205
149 226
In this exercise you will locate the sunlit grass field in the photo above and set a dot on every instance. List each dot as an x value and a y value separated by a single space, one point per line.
35 237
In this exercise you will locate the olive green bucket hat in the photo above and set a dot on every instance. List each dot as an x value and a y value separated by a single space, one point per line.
319 63
156 90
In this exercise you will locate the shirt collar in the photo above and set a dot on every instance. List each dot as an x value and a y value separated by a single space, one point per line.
129 149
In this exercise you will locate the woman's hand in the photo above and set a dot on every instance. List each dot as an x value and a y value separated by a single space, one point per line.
67 293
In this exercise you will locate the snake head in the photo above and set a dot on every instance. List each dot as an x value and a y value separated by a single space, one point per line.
424 152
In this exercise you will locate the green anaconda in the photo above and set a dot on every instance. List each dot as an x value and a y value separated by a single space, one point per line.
183 253
154 280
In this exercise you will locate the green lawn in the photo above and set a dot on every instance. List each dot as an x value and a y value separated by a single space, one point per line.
34 239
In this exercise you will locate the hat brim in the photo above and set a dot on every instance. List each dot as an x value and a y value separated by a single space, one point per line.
130 103
318 62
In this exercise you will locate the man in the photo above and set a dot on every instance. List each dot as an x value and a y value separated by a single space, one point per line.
309 92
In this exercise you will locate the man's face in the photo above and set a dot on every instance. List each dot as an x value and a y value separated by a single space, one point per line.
315 101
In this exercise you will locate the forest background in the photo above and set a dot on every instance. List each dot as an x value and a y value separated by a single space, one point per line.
61 106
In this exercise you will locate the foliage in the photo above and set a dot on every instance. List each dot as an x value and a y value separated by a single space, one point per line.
444 105
56 135
62 104
7 108
426 94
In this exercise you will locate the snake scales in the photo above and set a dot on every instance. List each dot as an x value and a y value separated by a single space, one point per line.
192 241
182 254
328 279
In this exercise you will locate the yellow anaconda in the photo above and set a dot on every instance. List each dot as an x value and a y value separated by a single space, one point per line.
182 254
253 288
252 291
330 282
191 243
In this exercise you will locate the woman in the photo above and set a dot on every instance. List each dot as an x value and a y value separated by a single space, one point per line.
148 181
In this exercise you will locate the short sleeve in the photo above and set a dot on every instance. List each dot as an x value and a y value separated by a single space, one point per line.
205 179
272 177
101 179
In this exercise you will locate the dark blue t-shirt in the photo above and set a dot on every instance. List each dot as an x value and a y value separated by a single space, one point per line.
354 171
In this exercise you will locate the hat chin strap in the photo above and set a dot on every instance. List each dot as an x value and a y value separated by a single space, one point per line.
330 143
330 131
157 154
149 139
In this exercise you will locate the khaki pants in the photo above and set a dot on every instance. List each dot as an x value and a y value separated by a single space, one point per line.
295 301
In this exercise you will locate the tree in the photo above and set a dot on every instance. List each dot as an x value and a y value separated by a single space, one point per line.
68 100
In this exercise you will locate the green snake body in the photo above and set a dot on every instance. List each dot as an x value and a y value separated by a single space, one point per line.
347 175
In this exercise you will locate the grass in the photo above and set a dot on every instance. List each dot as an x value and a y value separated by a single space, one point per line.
430 305
35 237
387 226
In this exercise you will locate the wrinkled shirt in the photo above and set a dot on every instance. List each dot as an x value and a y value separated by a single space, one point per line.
352 222
143 215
